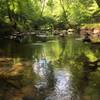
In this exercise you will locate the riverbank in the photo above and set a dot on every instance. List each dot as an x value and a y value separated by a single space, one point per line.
91 31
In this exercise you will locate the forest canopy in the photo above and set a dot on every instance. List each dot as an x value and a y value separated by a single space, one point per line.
25 15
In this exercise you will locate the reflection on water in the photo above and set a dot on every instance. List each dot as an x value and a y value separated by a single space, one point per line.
63 81
61 69
62 88
40 67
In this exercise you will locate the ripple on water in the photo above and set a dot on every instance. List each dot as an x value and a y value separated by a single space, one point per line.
63 88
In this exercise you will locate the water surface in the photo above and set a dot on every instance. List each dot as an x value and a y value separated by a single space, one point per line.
59 69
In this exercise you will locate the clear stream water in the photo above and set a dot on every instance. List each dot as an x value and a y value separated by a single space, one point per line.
59 69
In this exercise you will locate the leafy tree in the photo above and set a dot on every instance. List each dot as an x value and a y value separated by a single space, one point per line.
24 15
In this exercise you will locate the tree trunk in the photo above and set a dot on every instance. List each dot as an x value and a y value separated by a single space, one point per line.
64 11
43 6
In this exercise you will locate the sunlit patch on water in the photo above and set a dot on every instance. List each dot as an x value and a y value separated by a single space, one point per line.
62 88
41 69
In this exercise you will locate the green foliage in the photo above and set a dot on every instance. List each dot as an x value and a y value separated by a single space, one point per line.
23 15
42 21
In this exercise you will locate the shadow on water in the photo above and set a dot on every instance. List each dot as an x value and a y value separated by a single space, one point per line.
84 85
60 69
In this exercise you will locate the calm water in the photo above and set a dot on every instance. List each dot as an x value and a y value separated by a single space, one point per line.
60 69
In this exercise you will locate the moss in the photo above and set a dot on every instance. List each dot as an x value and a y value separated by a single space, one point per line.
94 25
